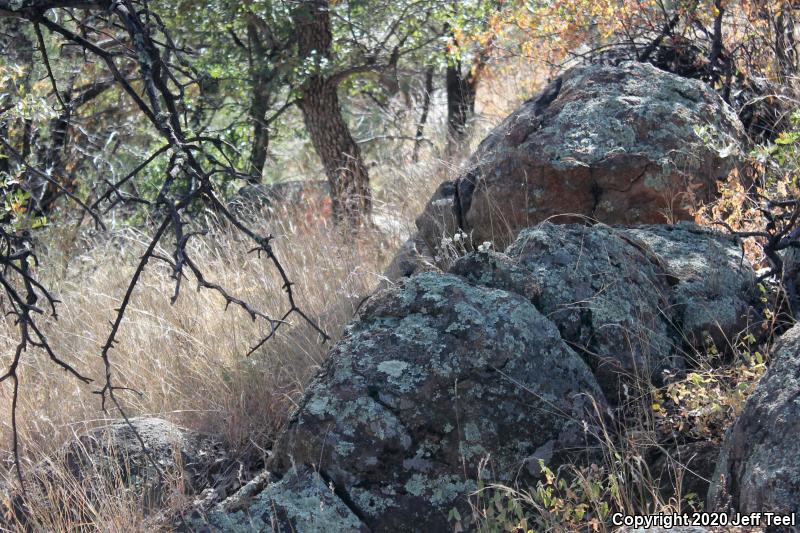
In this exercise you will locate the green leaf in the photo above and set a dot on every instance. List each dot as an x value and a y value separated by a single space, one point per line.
787 137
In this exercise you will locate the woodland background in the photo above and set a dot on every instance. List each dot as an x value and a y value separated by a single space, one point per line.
134 136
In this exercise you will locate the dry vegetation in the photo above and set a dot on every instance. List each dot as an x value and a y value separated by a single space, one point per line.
187 360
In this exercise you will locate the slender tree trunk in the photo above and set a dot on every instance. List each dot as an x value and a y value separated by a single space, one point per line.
426 105
260 147
716 43
319 102
461 90
260 98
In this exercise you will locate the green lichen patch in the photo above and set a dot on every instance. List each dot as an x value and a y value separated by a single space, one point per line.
713 285
301 501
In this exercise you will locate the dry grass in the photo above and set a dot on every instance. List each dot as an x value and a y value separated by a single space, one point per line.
187 359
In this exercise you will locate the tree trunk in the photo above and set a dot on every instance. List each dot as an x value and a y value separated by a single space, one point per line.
260 148
462 87
716 42
426 105
461 91
260 78
319 102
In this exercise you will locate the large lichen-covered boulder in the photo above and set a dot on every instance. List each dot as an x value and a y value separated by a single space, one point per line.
759 466
632 301
607 297
436 377
626 144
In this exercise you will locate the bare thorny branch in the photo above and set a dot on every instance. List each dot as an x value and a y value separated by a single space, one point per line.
16 259
187 183
781 233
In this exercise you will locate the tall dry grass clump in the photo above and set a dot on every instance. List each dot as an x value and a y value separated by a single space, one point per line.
186 361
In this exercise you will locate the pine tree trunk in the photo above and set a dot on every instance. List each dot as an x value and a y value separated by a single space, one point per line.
340 155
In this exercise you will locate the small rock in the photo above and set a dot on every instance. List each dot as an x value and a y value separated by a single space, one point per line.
112 454
301 501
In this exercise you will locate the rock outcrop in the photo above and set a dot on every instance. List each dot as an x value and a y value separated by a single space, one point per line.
618 144
632 301
302 501
759 466
512 358
480 373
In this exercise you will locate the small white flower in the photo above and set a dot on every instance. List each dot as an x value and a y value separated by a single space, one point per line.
457 237
485 247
